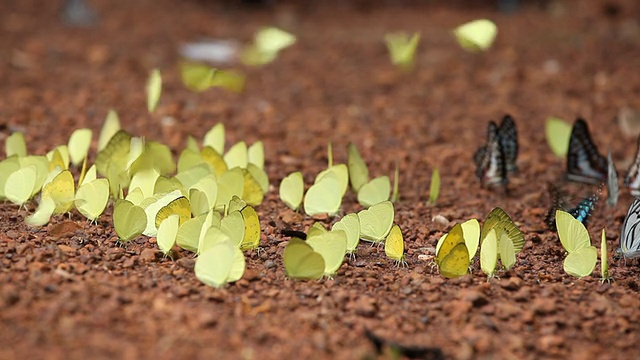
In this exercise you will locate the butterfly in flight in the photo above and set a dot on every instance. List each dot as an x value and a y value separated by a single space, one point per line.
498 157
584 162
632 178
630 233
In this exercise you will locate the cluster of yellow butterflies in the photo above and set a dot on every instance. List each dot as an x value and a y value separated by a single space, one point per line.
181 208
501 240
581 255
323 251
330 185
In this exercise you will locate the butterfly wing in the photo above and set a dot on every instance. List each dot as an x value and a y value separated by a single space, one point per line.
630 233
584 162
508 135
490 160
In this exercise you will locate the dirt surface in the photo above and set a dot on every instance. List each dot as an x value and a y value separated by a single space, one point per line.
68 290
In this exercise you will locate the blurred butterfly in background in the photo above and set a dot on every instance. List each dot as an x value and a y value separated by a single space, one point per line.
558 202
632 178
584 162
489 159
498 157
508 137
612 182
630 234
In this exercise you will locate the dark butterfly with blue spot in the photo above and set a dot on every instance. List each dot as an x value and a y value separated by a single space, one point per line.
498 157
584 162
582 212
559 201
632 178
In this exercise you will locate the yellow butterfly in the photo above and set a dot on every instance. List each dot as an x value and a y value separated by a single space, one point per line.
453 256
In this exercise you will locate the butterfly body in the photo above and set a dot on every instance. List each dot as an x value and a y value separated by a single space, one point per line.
584 162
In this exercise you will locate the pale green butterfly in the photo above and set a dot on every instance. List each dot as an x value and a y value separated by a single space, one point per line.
340 171
15 145
212 220
325 196
489 253
154 89
230 183
255 154
233 226
604 261
196 77
237 156
78 145
302 262
7 167
375 191
43 213
92 197
167 233
260 176
402 48
572 233
350 224
376 221
215 138
220 264
145 180
558 133
292 190
581 262
332 245
476 35
110 127
434 187
358 171
188 235
129 220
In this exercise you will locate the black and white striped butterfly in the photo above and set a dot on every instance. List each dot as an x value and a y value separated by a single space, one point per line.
490 163
584 162
612 182
632 178
630 233
498 157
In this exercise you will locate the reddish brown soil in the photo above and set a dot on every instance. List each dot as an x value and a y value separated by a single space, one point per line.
75 293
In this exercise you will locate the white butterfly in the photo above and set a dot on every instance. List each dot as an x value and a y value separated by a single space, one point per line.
630 233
